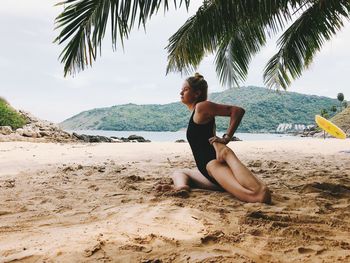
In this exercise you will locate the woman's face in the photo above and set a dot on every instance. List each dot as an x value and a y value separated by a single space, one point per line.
187 94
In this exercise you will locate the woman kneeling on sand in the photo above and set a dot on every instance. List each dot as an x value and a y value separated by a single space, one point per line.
218 166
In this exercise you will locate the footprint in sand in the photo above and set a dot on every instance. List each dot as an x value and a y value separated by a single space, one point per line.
326 188
137 248
169 190
10 183
304 250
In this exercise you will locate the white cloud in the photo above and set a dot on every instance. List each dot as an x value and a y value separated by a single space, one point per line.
30 8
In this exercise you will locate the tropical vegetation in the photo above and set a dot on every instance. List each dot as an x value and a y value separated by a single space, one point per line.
9 116
265 110
233 30
340 97
342 120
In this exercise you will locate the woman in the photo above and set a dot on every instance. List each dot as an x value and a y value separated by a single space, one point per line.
218 166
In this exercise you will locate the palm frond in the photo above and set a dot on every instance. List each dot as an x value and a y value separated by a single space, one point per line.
83 24
303 39
235 29
236 51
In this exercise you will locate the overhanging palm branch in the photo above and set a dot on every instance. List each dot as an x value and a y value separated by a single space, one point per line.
300 42
233 29
84 23
234 55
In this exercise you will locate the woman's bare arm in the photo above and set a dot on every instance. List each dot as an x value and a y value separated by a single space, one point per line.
209 109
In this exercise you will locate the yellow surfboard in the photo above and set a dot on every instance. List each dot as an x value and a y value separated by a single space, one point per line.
330 127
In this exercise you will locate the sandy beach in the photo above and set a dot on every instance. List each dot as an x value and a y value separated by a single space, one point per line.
78 202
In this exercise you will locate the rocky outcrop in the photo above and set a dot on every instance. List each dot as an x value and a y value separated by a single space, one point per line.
5 130
45 131
91 138
131 138
35 130
99 138
308 132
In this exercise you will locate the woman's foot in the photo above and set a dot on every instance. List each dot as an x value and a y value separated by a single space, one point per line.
261 195
265 196
221 151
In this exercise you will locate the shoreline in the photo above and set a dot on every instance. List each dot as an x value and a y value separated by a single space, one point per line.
168 136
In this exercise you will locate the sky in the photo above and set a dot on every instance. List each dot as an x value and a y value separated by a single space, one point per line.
31 75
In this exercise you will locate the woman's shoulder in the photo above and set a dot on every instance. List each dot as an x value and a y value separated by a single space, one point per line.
203 112
204 105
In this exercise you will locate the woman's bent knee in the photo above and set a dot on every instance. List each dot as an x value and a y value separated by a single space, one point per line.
210 165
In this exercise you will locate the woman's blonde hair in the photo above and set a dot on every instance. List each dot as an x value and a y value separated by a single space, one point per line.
198 83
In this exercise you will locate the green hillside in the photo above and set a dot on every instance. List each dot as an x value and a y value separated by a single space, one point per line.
342 120
9 116
265 110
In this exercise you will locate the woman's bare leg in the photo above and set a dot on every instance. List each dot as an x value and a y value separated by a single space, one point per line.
181 180
184 177
249 187
243 175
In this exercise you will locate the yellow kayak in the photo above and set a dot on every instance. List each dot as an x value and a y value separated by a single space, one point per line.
330 127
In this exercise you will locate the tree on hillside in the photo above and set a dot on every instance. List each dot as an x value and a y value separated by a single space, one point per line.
324 113
340 97
233 30
345 104
334 109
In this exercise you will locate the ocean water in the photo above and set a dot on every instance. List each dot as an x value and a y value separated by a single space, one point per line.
173 136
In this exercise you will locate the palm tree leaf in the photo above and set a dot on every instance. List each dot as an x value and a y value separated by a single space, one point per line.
235 52
84 23
303 39
237 29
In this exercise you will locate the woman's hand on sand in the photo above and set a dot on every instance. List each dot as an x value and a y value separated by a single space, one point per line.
217 139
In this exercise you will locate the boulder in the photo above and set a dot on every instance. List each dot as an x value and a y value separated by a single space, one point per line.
20 131
29 133
45 133
115 139
6 130
234 138
137 138
91 138
131 138
98 138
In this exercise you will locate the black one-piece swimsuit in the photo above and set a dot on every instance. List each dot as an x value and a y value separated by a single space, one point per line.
198 137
